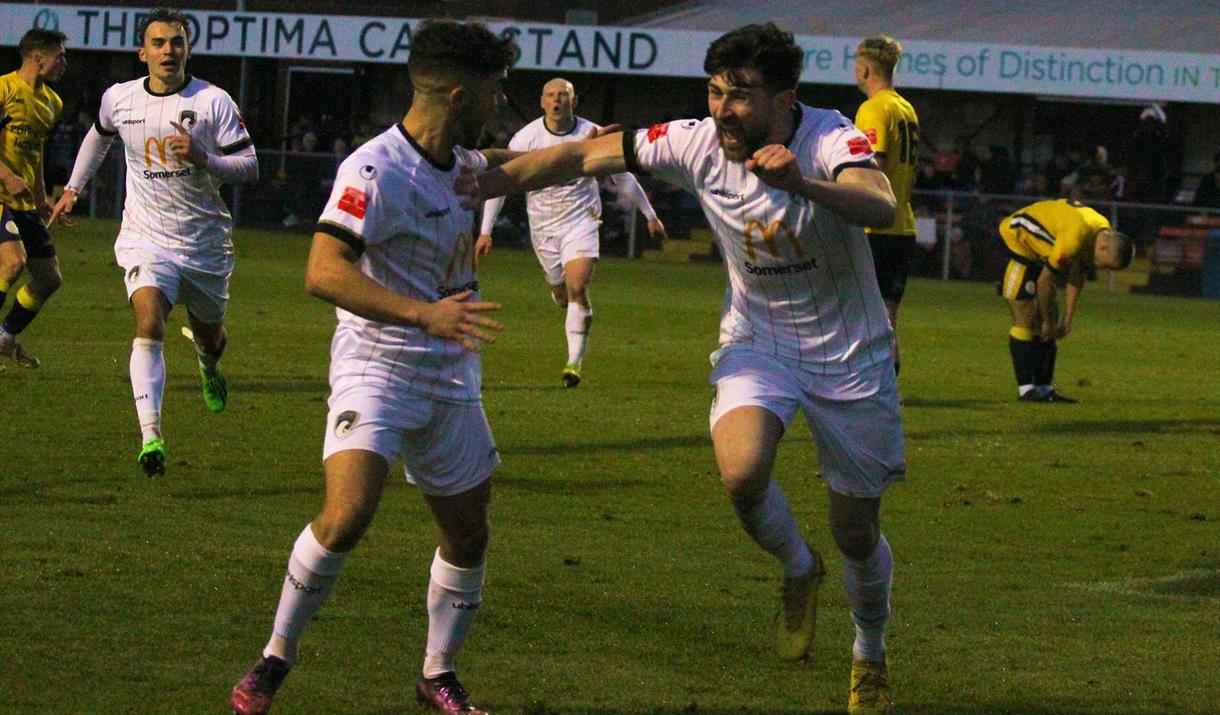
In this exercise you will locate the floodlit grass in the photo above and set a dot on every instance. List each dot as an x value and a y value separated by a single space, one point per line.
1049 558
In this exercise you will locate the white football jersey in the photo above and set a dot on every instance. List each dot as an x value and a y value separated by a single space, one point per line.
169 202
559 209
399 210
801 279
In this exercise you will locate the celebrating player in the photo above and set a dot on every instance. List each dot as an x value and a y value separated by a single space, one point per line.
564 219
182 139
1051 244
892 129
393 251
29 108
785 187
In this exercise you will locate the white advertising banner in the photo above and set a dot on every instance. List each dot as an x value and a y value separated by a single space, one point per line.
978 67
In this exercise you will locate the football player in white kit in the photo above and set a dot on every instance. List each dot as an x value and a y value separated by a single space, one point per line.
786 189
182 138
394 252
565 220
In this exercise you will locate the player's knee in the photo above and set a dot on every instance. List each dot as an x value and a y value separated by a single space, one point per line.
745 483
45 286
466 547
150 329
857 541
11 267
341 529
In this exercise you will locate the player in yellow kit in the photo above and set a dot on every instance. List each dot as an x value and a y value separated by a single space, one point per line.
892 128
1051 244
28 111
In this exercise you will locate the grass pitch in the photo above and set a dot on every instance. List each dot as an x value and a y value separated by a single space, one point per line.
1049 558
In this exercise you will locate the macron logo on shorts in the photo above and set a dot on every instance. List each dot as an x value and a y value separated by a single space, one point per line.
353 202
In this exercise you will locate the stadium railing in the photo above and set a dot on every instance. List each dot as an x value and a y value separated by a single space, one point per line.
958 236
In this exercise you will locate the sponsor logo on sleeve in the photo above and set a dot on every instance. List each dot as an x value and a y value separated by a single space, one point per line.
657 131
353 201
858 145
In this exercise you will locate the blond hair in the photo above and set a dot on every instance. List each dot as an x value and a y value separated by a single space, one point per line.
882 52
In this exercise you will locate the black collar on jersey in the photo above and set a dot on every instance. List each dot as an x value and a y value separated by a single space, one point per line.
148 89
448 166
575 121
797 115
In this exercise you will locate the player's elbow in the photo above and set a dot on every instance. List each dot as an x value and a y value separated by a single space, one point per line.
316 282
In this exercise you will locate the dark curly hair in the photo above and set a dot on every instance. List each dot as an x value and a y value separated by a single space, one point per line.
770 51
445 47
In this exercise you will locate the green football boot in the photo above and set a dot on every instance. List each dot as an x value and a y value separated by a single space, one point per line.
571 374
152 457
215 389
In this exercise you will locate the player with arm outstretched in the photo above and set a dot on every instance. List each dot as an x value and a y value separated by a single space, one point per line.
786 188
182 138
565 220
1051 244
29 110
393 251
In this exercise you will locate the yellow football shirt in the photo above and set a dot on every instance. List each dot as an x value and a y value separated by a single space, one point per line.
891 126
27 116
1053 232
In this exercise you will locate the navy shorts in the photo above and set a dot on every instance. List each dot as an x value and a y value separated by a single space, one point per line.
27 226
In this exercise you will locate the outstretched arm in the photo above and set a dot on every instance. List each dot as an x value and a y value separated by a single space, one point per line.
547 167
639 200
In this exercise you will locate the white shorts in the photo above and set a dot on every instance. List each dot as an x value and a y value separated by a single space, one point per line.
205 294
446 447
855 418
555 250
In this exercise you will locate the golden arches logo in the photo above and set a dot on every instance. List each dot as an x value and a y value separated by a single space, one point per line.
162 146
768 233
463 256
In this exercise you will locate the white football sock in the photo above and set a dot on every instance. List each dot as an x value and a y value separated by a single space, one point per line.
148 384
773 527
868 595
454 595
577 325
312 573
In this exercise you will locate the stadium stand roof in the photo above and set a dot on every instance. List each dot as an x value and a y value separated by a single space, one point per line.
1160 25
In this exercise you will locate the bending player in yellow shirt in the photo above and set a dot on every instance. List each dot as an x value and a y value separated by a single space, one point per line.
1051 244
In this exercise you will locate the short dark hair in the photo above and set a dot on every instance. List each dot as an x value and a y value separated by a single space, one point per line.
469 49
770 51
1124 249
167 15
40 39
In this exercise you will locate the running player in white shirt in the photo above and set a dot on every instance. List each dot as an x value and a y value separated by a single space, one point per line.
565 220
182 139
393 251
786 189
